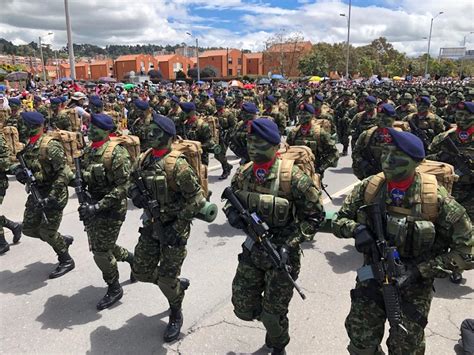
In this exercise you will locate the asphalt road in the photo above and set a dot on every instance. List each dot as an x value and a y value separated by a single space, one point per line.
45 316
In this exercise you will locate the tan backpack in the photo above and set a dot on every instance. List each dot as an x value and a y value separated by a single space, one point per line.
213 123
72 142
129 142
73 118
12 139
4 114
443 172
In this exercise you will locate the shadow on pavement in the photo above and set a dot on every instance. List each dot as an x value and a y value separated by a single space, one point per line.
64 312
349 260
25 281
345 170
223 230
263 350
446 289
140 335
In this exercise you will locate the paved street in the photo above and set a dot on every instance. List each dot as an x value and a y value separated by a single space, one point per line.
45 316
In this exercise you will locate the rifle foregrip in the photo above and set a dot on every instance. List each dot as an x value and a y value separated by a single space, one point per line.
229 195
392 304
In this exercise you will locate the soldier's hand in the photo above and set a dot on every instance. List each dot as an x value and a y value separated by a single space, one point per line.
138 199
88 210
364 240
234 218
408 276
48 202
20 175
284 255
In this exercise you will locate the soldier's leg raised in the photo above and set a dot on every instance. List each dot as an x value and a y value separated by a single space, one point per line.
221 158
4 247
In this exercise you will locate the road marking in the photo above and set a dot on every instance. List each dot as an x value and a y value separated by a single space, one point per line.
340 192
217 167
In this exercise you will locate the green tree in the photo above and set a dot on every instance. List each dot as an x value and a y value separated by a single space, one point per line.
314 63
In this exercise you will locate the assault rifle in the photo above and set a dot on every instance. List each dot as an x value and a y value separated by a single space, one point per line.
32 186
420 133
462 163
258 232
83 196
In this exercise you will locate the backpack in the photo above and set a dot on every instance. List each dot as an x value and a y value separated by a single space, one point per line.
73 118
129 142
443 172
213 123
12 139
398 125
4 114
72 142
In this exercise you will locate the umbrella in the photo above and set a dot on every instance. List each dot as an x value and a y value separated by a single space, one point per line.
106 79
17 76
236 83
398 78
128 86
249 86
277 76
199 82
315 79
265 81
3 87
66 78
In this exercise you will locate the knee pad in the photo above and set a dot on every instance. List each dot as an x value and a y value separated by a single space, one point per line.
375 350
272 323
102 258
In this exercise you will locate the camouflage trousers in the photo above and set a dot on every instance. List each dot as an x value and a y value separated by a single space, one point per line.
365 323
160 264
221 157
342 129
35 226
103 234
259 291
464 194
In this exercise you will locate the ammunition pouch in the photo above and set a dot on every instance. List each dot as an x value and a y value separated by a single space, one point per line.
272 209
158 188
423 237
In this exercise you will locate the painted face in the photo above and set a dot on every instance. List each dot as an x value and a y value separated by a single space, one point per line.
464 119
97 134
96 109
158 138
384 120
397 165
369 106
317 104
260 151
304 117
246 116
33 130
268 104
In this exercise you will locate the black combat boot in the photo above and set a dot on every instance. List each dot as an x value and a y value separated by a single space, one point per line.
226 172
15 228
68 240
66 264
4 247
455 277
278 351
344 150
174 325
114 293
129 260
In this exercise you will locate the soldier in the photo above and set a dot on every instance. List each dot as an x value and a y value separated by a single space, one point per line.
46 159
176 115
364 120
342 124
425 124
310 134
271 110
38 106
161 249
259 290
324 114
140 125
15 120
163 106
105 167
238 142
430 242
227 122
54 118
406 106
196 129
75 113
238 100
282 105
205 107
441 149
449 113
368 148
5 164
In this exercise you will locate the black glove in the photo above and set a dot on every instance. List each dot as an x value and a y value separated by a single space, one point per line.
234 218
408 276
364 240
20 175
284 255
138 199
88 210
170 236
47 202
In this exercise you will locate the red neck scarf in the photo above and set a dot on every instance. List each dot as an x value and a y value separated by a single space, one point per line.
317 112
260 170
35 138
113 134
191 120
305 128
98 144
159 153
464 135
402 185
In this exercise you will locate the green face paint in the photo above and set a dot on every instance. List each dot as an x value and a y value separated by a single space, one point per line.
158 138
384 121
304 117
317 104
397 165
369 107
422 107
260 151
33 130
97 134
247 116
464 119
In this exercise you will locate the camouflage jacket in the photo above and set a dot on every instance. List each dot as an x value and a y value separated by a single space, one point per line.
362 122
453 242
4 164
304 201
238 141
367 151
60 121
206 109
107 186
278 117
431 124
321 144
15 120
199 131
404 110
140 127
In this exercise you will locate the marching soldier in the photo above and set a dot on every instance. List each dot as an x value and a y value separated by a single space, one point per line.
227 122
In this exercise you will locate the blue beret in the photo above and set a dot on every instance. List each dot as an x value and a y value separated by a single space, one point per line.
308 108
55 101
187 107
175 99
96 101
319 97
469 106
388 110
166 124
219 101
63 98
142 105
32 118
14 101
371 99
408 143
266 129
102 121
271 98
426 100
249 107
37 98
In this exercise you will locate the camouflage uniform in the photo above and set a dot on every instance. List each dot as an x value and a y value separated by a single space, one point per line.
139 127
321 144
14 120
198 130
278 117
238 142
4 167
429 125
61 120
206 108
361 122
108 188
259 291
227 122
342 123
451 245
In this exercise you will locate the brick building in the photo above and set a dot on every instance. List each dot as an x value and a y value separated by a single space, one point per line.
172 63
139 63
82 71
284 58
226 62
253 63
101 68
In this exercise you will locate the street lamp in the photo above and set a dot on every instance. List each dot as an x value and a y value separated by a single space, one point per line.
348 38
42 57
429 43
197 55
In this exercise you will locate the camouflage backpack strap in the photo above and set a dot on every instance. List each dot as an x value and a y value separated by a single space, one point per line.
286 168
244 171
170 162
429 197
43 148
370 133
373 187
143 157
109 150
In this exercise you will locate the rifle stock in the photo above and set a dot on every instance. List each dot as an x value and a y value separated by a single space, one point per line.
82 195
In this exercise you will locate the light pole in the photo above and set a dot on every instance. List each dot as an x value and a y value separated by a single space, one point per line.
70 46
42 57
197 55
462 59
429 43
348 38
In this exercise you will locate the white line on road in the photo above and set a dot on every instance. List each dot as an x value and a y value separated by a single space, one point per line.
340 192
217 167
